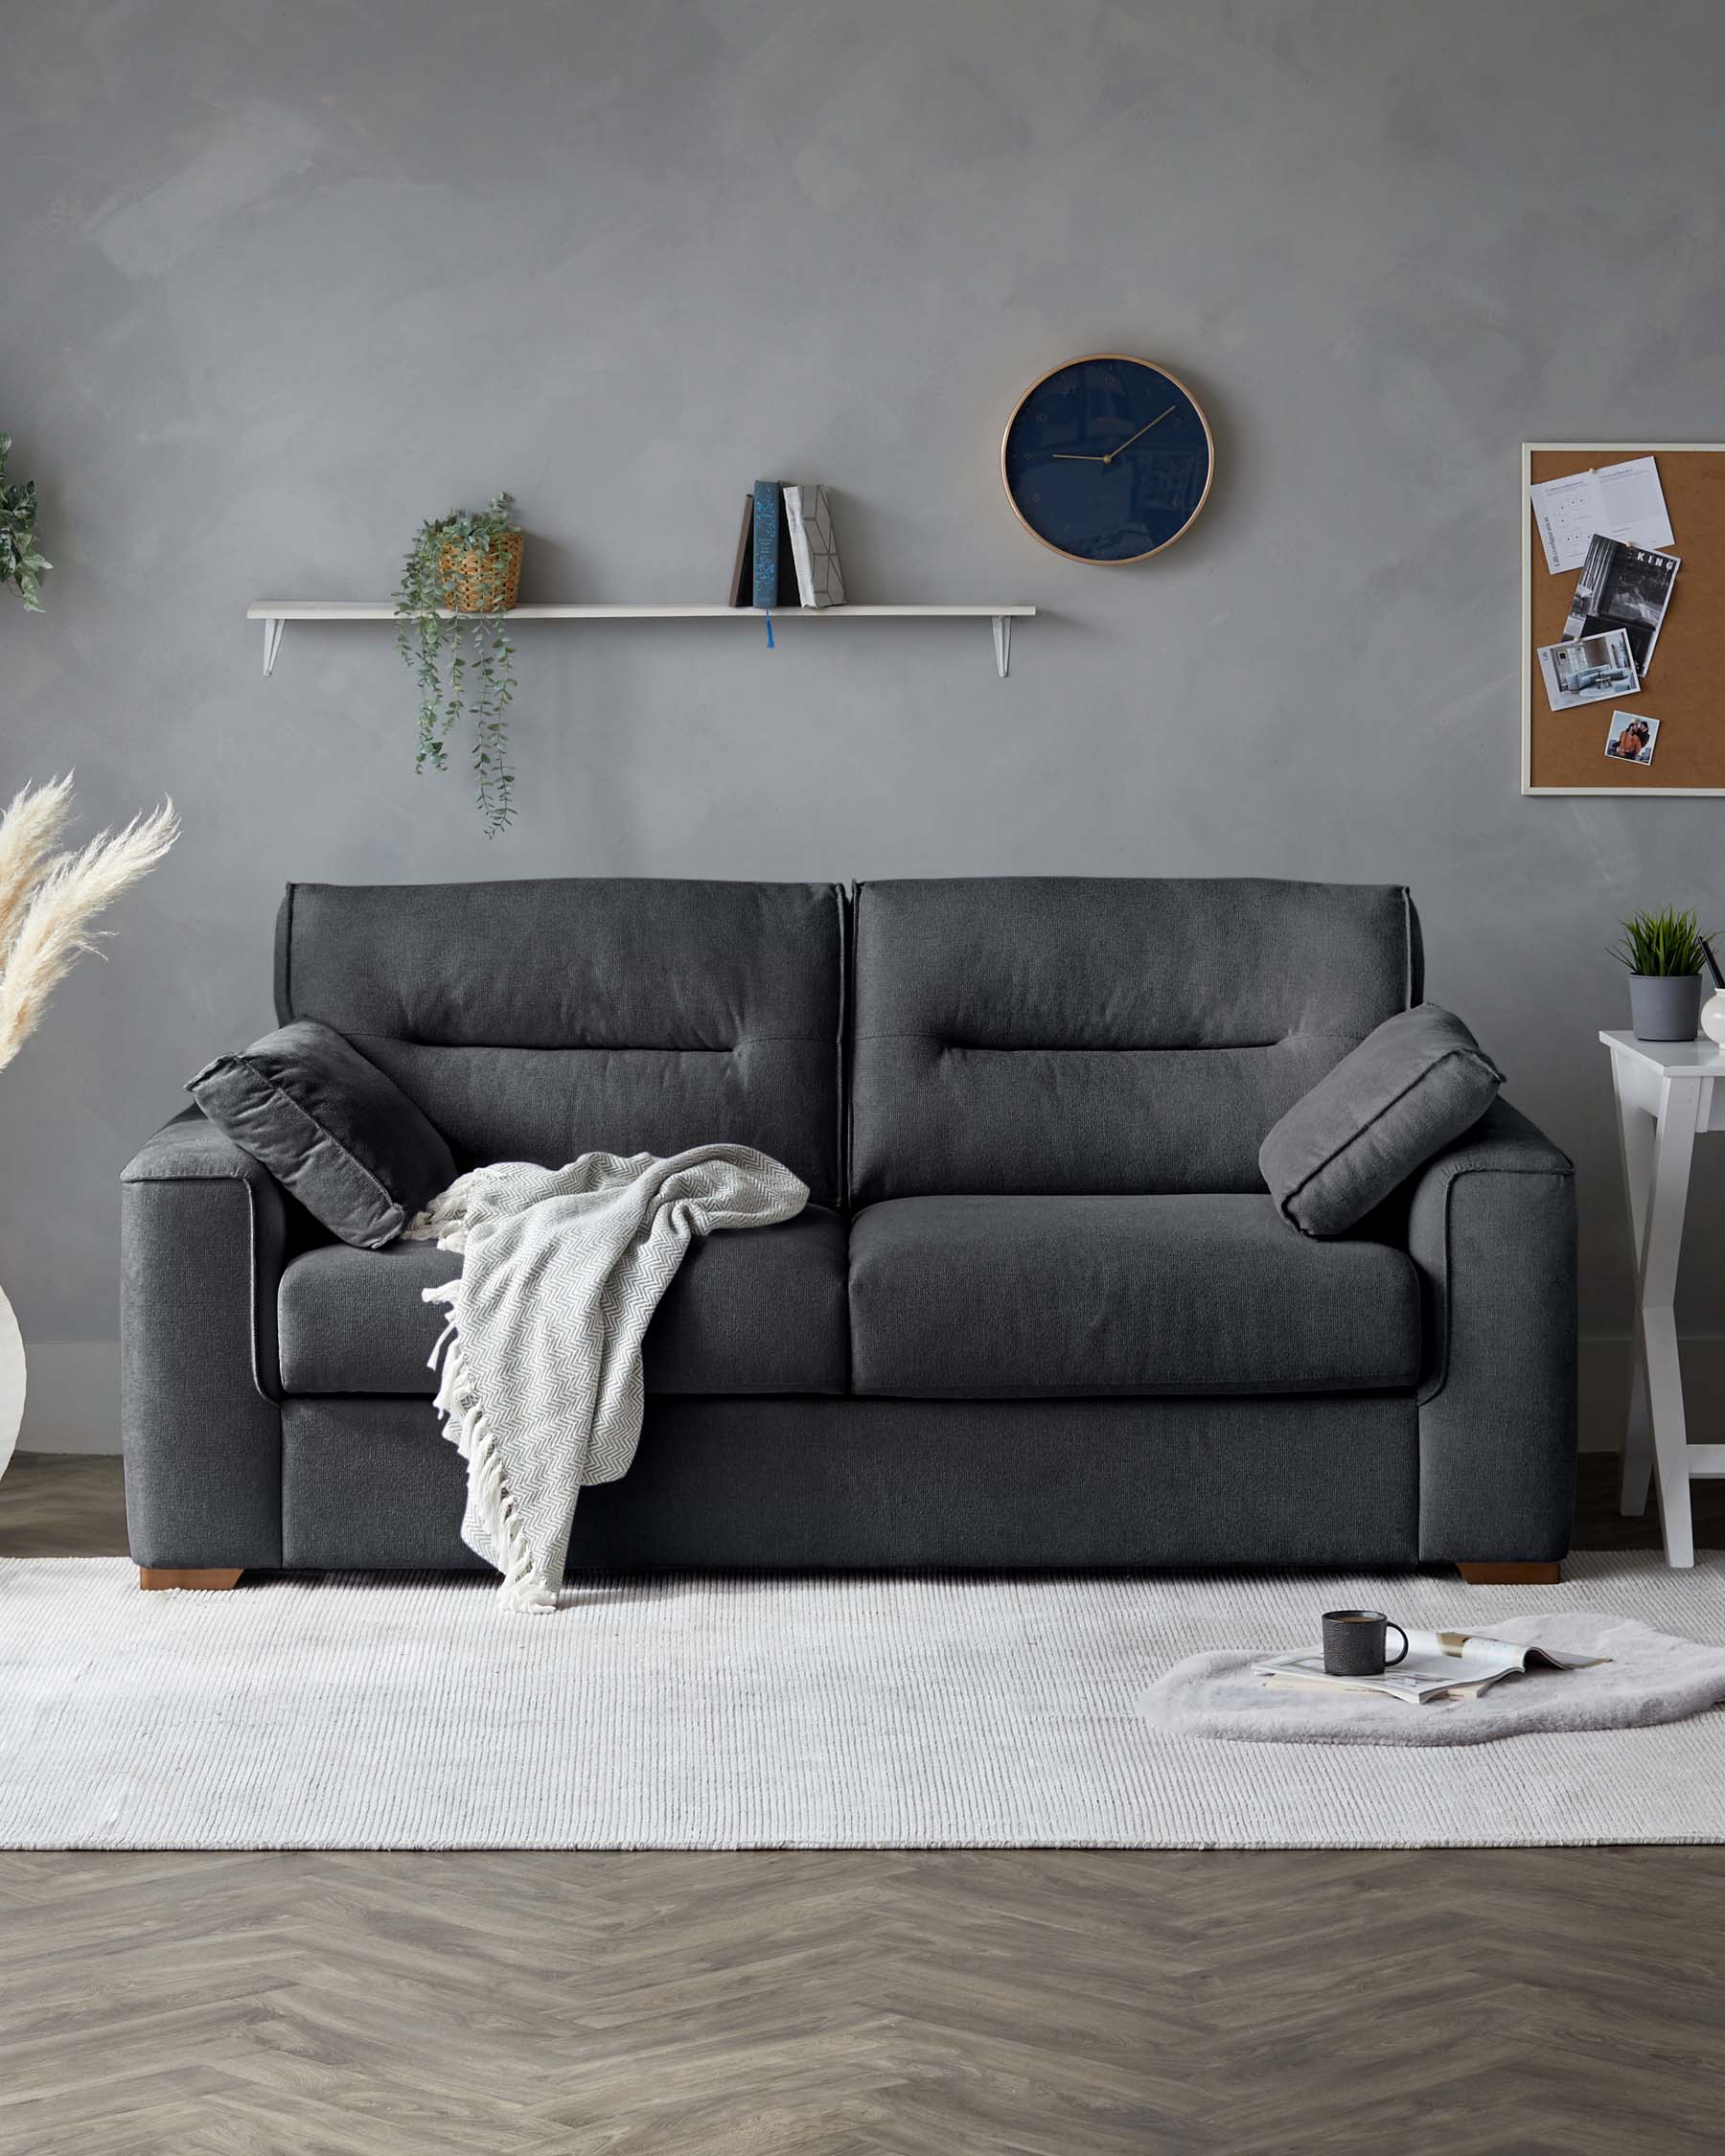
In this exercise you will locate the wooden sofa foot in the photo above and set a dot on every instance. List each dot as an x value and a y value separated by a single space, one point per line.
1511 1574
210 1576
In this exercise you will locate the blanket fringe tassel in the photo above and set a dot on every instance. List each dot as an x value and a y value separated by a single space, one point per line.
464 1426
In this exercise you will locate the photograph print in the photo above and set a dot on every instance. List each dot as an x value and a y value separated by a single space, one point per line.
1631 738
1627 587
1588 670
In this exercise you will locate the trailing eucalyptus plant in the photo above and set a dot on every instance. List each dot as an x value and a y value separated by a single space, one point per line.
20 563
452 609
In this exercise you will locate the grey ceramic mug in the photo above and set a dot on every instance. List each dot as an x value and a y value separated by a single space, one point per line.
1354 1642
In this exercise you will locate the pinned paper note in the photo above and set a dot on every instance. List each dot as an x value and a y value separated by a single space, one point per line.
1623 501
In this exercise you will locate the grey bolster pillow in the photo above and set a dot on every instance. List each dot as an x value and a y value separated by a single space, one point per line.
1407 1091
335 1129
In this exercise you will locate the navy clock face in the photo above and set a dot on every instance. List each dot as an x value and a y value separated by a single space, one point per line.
1107 459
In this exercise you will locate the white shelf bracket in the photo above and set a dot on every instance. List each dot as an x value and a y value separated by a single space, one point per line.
1002 636
274 626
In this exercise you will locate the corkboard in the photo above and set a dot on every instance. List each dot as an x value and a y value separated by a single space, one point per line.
1564 751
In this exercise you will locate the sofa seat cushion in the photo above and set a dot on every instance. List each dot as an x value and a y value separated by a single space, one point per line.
751 1309
1020 1298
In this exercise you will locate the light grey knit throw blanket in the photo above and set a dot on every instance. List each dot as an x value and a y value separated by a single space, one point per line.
560 1271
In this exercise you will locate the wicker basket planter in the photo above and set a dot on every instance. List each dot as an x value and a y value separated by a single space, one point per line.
473 576
458 584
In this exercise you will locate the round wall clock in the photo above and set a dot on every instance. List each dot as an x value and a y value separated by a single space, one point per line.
1107 459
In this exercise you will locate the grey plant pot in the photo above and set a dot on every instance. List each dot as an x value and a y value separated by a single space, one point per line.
1665 1006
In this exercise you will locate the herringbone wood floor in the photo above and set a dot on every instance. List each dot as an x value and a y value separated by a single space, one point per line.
1051 2003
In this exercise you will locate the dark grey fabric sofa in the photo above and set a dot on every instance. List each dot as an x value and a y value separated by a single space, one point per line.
1040 1311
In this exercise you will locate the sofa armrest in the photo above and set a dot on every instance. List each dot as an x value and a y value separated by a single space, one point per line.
203 1233
1491 1231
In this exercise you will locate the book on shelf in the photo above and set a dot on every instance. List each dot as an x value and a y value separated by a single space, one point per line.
1437 1666
741 592
774 575
809 513
786 555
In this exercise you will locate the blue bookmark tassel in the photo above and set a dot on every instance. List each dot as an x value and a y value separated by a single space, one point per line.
769 629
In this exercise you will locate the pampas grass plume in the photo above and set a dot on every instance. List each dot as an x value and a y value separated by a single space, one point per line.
49 901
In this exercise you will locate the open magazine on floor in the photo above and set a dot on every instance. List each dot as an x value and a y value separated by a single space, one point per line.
1439 1666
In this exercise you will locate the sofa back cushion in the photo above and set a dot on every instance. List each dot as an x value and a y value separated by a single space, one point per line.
1105 1035
536 1021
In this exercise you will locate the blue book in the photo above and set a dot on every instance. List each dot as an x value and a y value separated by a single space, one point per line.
767 499
774 572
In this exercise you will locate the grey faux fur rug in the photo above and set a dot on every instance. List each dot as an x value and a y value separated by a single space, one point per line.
1651 1677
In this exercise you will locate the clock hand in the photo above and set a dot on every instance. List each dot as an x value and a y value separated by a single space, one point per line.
1144 430
1072 456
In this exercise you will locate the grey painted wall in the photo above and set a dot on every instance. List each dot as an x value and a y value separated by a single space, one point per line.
276 282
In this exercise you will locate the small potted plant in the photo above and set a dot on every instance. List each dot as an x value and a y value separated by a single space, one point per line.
458 582
1665 954
21 564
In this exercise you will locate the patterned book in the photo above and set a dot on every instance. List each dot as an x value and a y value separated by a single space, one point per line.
819 582
766 514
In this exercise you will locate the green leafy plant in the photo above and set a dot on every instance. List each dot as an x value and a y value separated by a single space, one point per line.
21 564
452 608
1664 943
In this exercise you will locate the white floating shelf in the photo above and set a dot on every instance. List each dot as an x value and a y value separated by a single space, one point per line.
276 613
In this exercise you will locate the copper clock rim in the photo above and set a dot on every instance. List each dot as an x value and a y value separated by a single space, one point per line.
1120 560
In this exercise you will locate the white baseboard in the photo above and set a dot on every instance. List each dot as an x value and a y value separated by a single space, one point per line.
72 1398
72 1404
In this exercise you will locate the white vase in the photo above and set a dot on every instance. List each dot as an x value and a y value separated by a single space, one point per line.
1713 1017
11 1380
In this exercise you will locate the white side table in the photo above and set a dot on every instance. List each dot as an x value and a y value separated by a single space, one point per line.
1666 1093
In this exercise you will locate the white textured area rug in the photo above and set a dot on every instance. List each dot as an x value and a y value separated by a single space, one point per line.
698 1713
